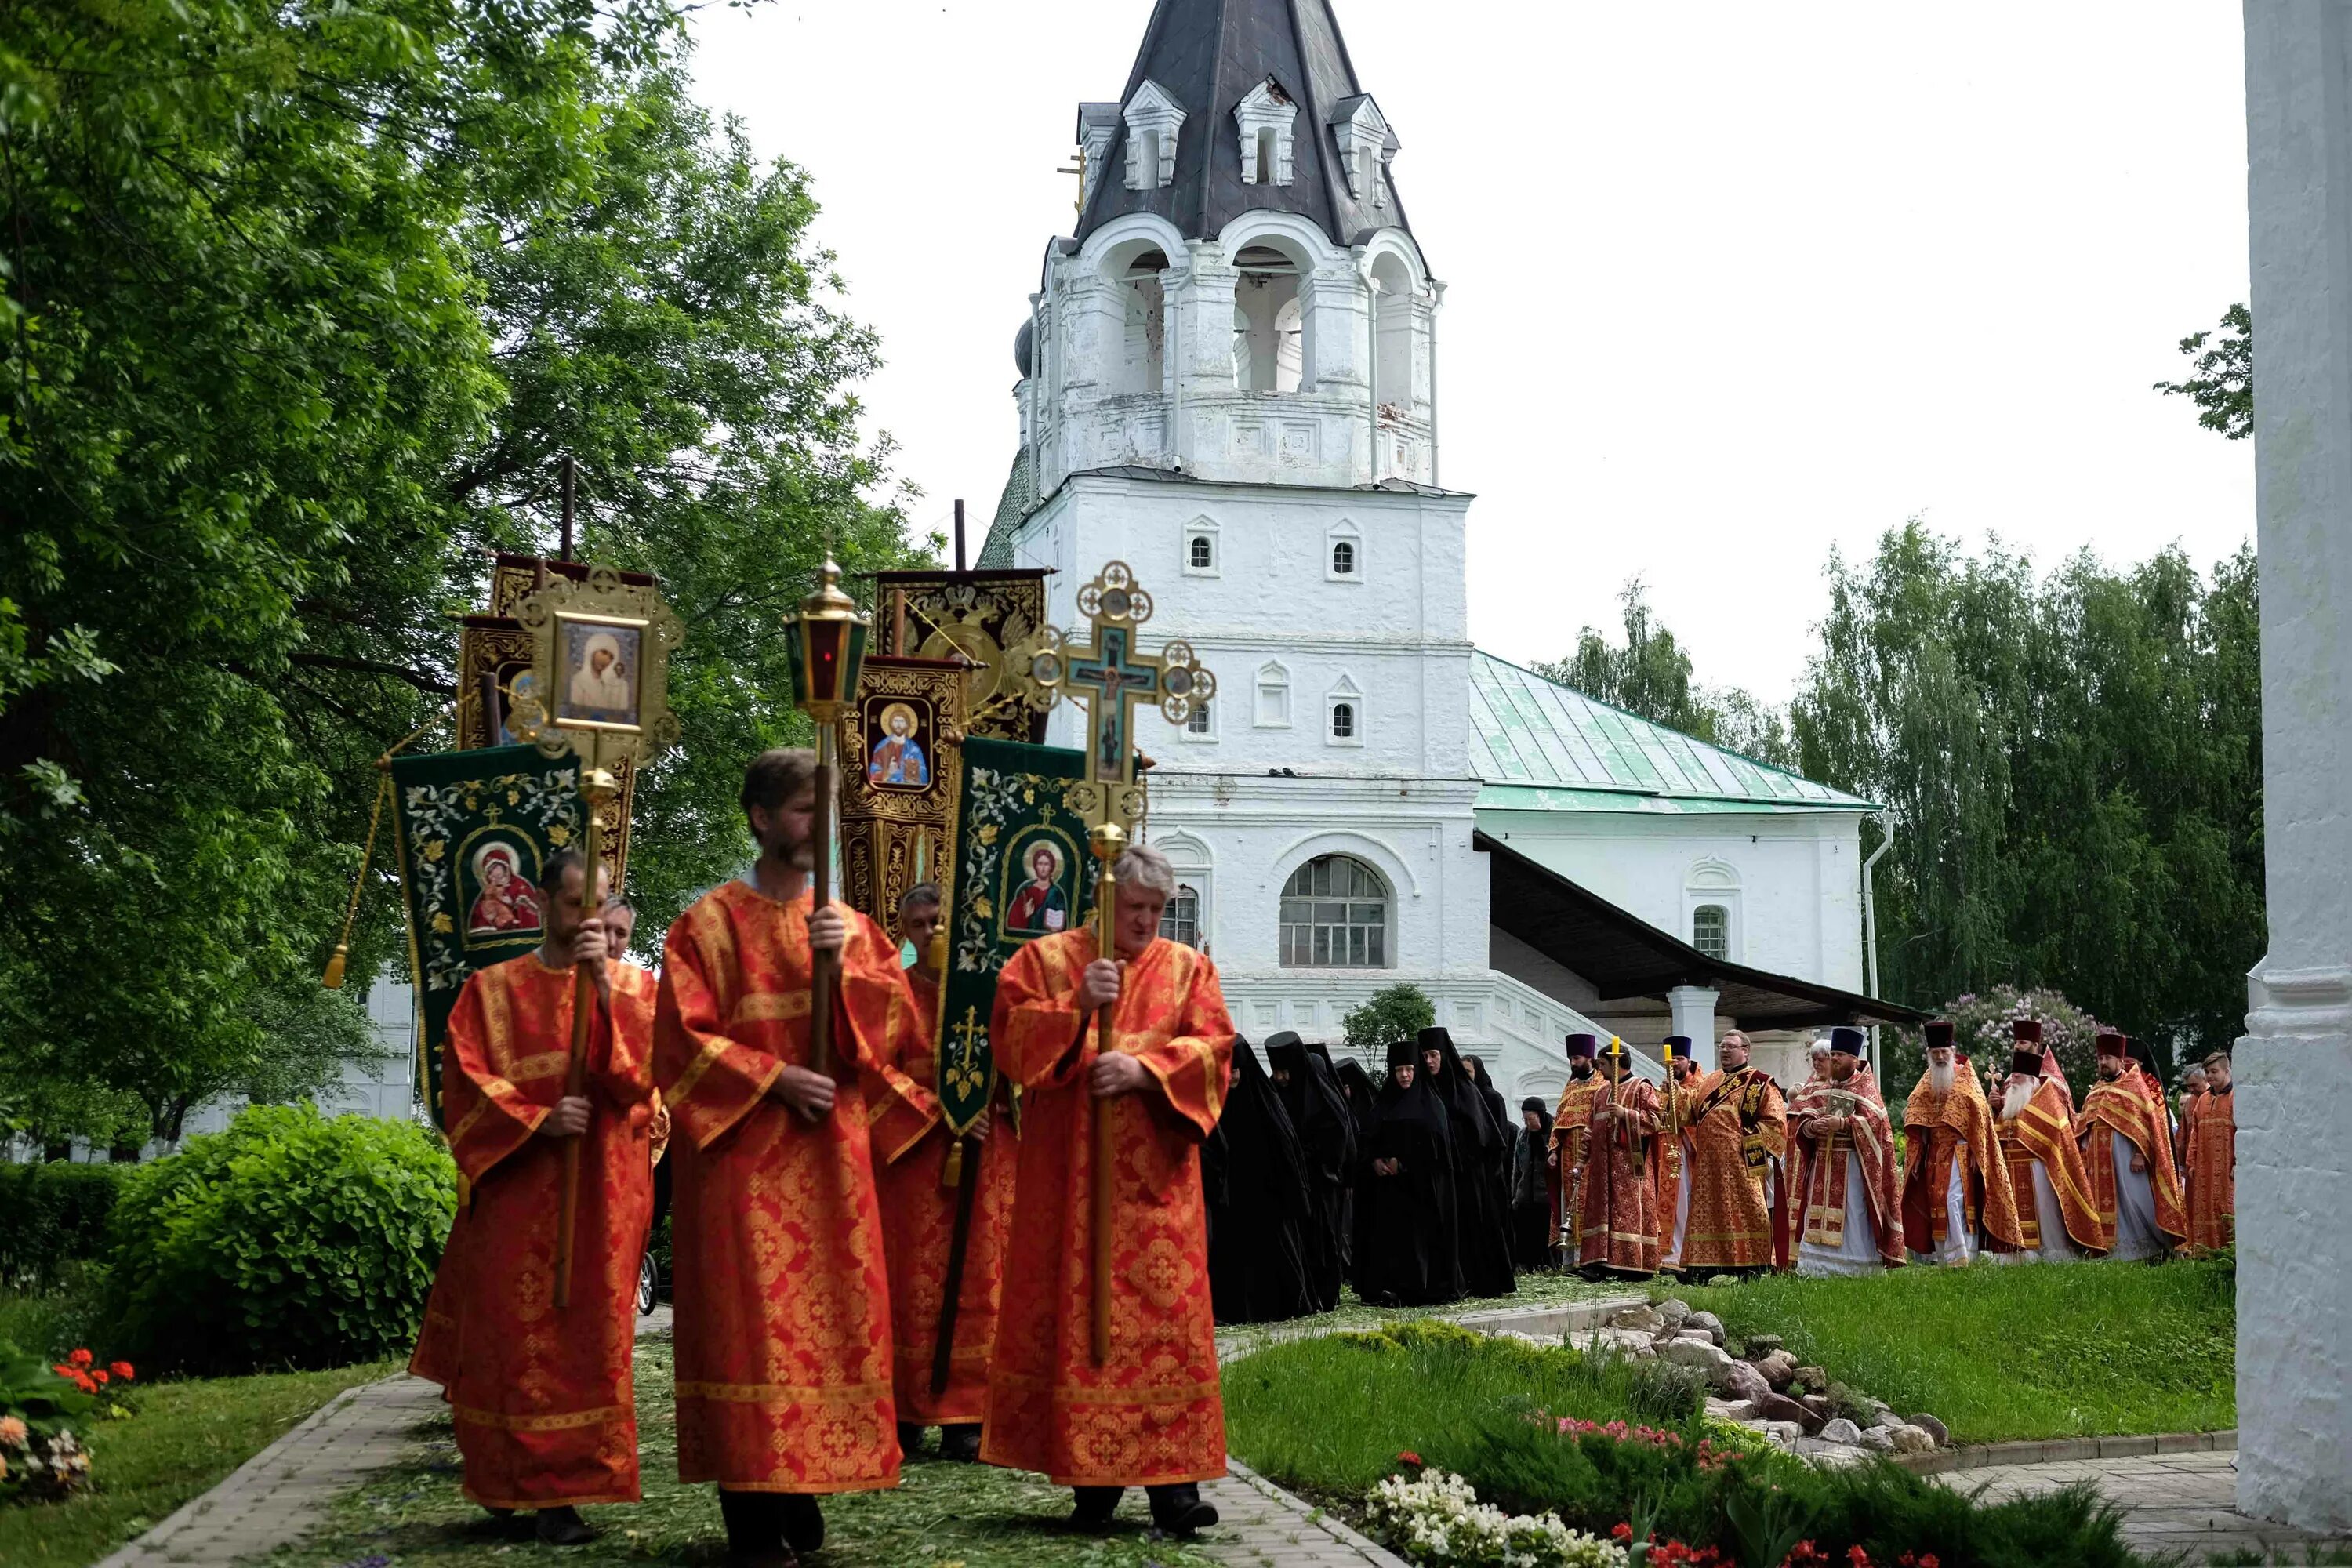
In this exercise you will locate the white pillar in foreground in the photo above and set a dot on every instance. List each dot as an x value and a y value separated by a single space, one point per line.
2294 1065
1694 1008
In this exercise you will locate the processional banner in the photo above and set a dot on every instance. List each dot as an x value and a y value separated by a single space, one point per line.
902 750
1021 872
983 617
473 831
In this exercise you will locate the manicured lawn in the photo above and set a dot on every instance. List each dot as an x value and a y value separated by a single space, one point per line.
1536 1289
2001 1353
944 1513
184 1437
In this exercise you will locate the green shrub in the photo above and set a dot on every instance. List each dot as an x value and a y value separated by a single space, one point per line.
1664 1393
70 1312
290 1240
52 1213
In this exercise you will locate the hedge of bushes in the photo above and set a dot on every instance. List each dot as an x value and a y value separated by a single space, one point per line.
291 1240
52 1214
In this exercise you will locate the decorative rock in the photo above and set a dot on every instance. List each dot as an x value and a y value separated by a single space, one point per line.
1672 1310
1732 1409
1910 1439
1819 1404
1780 1407
1933 1428
1878 1439
1645 1319
1813 1378
1706 1321
1779 1367
1762 1345
1696 1353
1784 1433
1738 1379
1840 1431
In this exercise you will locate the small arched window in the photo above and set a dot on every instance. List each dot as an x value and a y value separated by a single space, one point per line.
1180 920
1265 155
1196 722
1334 912
1343 558
1204 554
1711 930
1343 721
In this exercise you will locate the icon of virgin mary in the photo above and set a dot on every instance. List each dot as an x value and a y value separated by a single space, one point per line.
507 904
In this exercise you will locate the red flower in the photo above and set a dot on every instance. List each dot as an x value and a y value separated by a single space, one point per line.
1409 1458
1857 1556
64 1369
99 1378
81 1358
123 1372
1621 1532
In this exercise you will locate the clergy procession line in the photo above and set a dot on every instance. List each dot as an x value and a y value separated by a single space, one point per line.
812 1222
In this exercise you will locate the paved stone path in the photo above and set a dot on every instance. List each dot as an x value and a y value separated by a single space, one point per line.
2171 1503
1262 1526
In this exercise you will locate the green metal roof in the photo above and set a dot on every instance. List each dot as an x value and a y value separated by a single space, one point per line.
1542 746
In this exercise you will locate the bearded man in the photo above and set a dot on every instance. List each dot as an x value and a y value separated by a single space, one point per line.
2036 1133
1738 1126
1674 1178
783 1305
1850 1222
1954 1181
1150 1414
1570 1125
2212 1166
2127 1158
541 1395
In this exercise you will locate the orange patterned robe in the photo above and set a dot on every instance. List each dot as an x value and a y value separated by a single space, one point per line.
1822 1205
1620 1212
2124 1107
1151 1415
2211 1171
918 1228
1937 1130
542 1400
1570 1125
2045 1133
784 1310
1736 1124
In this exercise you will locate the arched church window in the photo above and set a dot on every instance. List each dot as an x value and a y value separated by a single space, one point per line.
1180 920
1196 722
1343 558
1265 155
1343 721
1711 930
1269 325
1204 554
1334 914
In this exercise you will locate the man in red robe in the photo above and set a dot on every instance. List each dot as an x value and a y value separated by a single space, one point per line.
1151 1414
1736 1124
1954 1182
541 1395
2211 1162
2055 1219
1622 1160
2127 1157
918 1210
784 1311
1572 1125
1850 1221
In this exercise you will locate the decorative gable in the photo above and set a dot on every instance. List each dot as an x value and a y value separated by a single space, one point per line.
1365 145
1098 125
1154 122
1265 118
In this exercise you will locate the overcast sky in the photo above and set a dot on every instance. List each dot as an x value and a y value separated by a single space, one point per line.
1727 284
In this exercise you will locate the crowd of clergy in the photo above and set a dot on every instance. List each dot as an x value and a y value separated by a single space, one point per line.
850 1271
1423 1189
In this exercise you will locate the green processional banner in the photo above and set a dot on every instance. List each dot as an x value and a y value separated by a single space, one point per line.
1022 871
473 830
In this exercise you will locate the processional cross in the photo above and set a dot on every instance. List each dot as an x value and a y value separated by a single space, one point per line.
1108 677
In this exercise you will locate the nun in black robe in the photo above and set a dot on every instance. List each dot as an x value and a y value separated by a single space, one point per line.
1508 1125
1484 1227
1257 1266
1404 1194
1327 1135
1531 1221
1356 1087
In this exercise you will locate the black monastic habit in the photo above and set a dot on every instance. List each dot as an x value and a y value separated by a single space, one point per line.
1479 1150
1257 1265
1327 1135
1405 1218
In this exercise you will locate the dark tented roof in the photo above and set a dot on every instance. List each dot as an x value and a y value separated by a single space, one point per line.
1209 55
1624 956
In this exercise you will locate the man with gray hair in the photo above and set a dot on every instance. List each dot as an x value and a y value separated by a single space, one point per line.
1149 1412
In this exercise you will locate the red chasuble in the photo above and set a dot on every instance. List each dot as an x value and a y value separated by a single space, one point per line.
2124 1107
1572 1125
2045 1131
1936 1129
542 1397
918 1228
1619 1230
1866 1137
1736 1123
1151 1415
2212 1172
784 1310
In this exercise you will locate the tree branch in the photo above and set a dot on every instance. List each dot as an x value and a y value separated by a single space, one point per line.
418 678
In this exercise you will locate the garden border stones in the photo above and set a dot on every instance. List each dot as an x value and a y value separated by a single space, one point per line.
1984 1456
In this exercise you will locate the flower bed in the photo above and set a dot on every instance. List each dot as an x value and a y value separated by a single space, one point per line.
41 1458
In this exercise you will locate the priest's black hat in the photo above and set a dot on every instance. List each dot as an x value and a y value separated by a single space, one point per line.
1583 1046
1939 1034
1849 1042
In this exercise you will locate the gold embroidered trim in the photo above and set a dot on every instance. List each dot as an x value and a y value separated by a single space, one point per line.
784 1393
1180 1394
567 1421
711 1051
547 1064
773 1006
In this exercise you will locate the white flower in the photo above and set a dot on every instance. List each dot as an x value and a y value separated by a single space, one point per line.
1438 1520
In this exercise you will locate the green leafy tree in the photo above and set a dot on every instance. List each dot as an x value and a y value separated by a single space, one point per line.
1398 1012
1650 675
2223 387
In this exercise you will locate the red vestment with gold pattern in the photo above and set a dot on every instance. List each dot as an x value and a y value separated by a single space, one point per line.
784 1308
918 1228
2043 1133
1820 1205
1936 1129
2124 1106
542 1396
2211 1170
1736 1124
1571 1124
1151 1415
1619 1230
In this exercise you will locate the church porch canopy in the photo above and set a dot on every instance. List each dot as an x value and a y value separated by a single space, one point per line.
1624 956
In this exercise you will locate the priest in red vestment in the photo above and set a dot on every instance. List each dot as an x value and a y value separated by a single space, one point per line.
1736 1124
1954 1181
1150 1415
1849 1219
784 1310
1572 1125
2210 1166
1621 1162
2055 1218
918 1210
2127 1156
541 1395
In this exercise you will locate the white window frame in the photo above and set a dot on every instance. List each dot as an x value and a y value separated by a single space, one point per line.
1190 859
1343 532
1261 110
1207 736
1199 909
1272 675
1344 691
1714 881
1203 527
1152 112
1387 928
